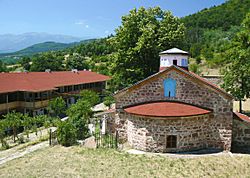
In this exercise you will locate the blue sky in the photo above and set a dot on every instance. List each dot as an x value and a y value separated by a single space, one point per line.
82 18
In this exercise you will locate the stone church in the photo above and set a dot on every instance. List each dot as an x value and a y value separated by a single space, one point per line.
174 110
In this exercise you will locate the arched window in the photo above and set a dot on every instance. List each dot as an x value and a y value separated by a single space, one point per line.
169 87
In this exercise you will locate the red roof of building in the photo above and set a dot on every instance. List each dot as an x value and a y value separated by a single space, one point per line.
242 116
42 81
166 109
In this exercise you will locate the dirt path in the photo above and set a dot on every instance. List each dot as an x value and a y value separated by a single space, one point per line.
20 153
23 149
180 155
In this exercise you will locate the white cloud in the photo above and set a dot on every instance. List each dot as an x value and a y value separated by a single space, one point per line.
86 26
79 23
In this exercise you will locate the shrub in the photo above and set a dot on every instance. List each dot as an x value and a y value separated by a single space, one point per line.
5 144
66 133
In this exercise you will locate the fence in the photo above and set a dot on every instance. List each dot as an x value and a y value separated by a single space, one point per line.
52 137
108 140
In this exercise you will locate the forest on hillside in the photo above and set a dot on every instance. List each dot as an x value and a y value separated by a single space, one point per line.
132 53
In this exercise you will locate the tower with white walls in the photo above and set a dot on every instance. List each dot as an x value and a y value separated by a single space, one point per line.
174 56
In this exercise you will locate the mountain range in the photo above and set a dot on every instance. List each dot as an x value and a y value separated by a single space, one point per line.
11 43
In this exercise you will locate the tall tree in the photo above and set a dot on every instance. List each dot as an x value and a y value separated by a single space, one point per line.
237 73
76 61
45 61
3 67
138 41
57 106
14 121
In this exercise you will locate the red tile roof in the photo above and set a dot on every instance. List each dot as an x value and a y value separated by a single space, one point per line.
242 116
166 109
42 81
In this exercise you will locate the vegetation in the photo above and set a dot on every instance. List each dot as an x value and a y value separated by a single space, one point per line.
138 41
209 30
2 67
47 61
81 112
11 58
237 72
66 133
14 122
80 162
57 107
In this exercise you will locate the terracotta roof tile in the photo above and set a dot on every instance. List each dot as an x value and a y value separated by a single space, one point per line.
242 116
42 81
166 109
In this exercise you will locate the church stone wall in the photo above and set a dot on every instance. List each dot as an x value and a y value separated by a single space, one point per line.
189 91
150 134
241 135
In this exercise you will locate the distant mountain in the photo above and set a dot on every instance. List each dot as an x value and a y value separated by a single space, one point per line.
12 43
10 58
43 47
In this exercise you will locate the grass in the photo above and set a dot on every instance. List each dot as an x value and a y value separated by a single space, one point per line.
81 162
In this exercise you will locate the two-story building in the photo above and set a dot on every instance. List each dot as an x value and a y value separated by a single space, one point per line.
30 92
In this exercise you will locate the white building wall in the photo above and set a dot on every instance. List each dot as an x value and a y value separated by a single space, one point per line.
166 60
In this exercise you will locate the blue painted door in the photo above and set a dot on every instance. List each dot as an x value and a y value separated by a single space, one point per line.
169 87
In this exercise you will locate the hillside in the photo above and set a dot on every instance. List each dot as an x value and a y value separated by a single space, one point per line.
39 48
11 42
210 30
77 161
230 13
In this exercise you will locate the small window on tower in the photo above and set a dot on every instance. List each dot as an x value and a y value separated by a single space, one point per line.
175 62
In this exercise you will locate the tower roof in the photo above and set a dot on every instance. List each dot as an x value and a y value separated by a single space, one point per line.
174 51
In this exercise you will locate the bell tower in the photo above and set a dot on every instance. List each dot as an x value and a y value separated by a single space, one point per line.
174 56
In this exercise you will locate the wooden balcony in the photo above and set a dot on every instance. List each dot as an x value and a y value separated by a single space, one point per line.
22 104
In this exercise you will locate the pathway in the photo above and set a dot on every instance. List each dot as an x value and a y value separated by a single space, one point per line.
20 153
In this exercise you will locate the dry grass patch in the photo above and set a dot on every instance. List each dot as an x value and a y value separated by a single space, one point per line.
80 162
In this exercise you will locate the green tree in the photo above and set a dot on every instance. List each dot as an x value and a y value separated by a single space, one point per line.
45 61
27 124
108 100
90 96
138 41
237 72
14 121
57 106
25 63
2 131
79 115
76 61
3 67
66 133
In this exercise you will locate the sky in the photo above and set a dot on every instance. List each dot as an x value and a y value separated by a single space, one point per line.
82 18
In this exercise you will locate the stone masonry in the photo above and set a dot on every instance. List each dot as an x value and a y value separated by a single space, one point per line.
241 135
150 134
189 90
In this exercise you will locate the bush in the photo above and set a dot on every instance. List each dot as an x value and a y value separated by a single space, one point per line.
21 139
195 68
66 133
5 144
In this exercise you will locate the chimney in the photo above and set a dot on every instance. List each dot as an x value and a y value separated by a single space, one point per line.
74 70
173 56
48 70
